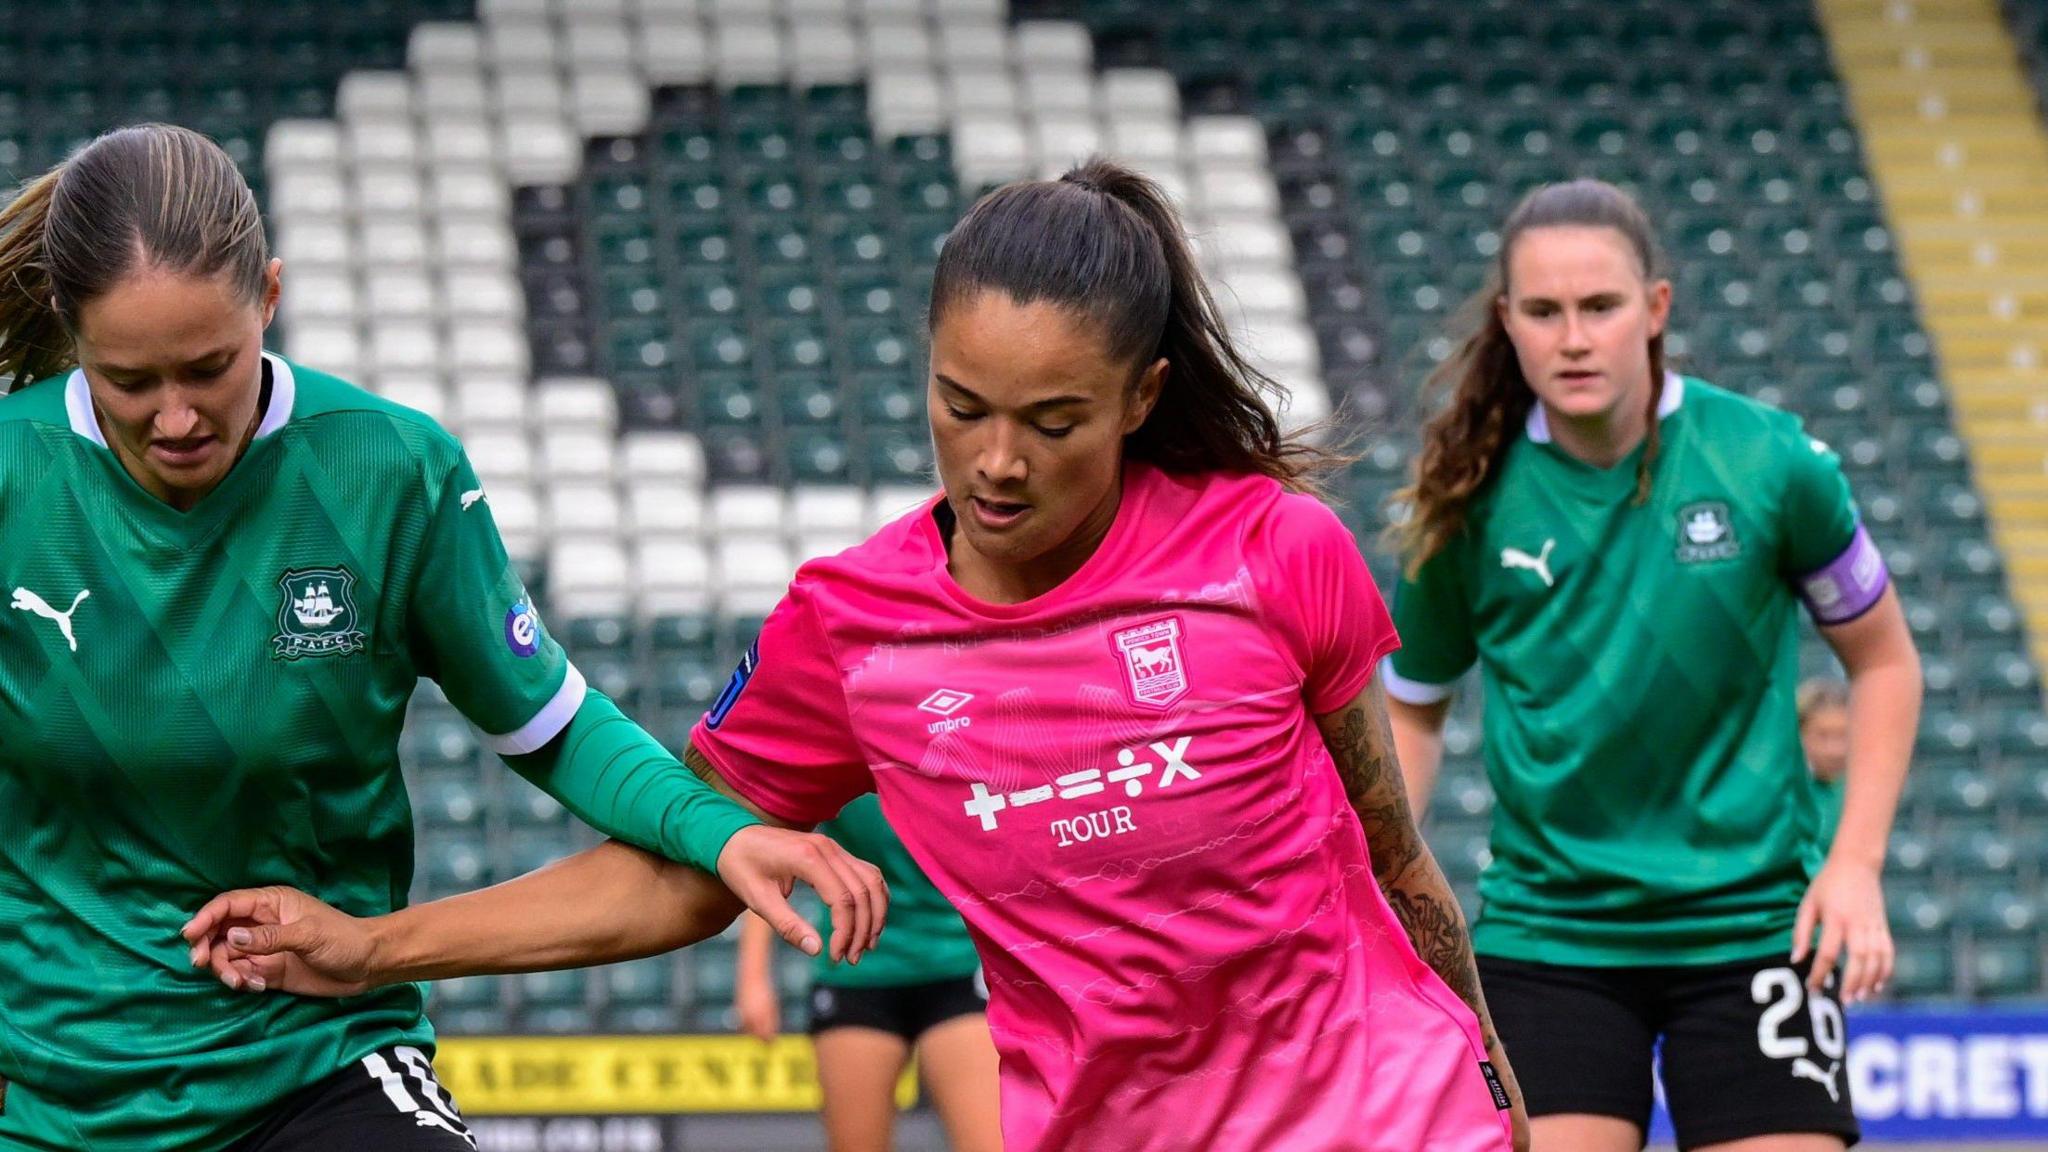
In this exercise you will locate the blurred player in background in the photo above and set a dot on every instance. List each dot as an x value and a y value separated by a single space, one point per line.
1621 551
225 575
1824 735
918 992
1116 690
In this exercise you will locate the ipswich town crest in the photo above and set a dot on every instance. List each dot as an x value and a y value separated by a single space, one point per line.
1155 669
318 614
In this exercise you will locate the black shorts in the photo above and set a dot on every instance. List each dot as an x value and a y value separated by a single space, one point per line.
906 1010
388 1100
1746 1050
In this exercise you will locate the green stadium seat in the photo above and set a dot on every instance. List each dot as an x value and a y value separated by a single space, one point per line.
1924 968
2005 967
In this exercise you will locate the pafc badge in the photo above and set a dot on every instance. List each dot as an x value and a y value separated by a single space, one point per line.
1155 671
318 615
1705 533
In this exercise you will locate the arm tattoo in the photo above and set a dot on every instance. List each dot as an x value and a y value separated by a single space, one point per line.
1415 887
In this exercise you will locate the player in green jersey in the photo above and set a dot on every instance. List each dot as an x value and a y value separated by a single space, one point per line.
1621 551
1824 736
224 575
919 991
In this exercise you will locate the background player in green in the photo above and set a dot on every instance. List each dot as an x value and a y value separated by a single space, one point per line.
919 991
1824 735
225 575
1620 551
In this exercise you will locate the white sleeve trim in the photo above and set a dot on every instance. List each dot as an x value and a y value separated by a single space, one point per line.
1411 691
547 723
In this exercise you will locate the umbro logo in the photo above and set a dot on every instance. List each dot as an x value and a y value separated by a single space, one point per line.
945 702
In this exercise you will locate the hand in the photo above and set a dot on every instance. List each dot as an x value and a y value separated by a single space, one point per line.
1846 902
759 1011
282 940
761 866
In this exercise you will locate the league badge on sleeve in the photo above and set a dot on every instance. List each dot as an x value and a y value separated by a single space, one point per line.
317 614
522 629
1155 669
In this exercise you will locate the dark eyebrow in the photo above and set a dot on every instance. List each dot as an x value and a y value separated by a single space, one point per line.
218 354
1053 402
1528 300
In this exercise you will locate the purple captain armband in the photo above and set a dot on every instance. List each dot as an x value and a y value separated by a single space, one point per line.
1848 586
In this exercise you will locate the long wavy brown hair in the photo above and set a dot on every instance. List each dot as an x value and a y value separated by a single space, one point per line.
1462 446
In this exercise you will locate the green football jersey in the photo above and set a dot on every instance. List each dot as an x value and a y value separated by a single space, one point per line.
197 701
925 939
1638 665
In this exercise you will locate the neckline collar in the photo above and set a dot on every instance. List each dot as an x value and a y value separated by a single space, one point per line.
283 394
1538 424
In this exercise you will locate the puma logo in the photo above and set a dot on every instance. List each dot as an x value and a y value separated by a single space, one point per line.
1539 563
28 601
1804 1069
471 497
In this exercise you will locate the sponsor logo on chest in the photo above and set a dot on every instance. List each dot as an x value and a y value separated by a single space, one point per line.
1133 771
316 614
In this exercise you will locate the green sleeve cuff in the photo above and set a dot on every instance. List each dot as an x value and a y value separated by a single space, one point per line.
619 780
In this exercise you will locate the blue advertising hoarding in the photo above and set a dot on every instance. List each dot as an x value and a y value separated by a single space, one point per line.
1933 1075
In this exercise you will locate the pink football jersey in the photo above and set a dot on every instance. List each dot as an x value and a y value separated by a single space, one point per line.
1121 786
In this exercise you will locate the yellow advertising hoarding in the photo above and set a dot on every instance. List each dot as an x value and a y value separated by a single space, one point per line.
636 1075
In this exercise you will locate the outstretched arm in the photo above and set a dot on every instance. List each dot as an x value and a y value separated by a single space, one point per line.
1415 887
610 903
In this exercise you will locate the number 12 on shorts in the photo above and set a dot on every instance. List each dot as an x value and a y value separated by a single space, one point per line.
1779 991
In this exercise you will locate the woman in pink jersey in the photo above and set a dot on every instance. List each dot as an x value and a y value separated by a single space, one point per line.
1115 689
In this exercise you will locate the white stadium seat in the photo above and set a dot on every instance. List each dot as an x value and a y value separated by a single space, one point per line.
496 403
335 348
609 103
747 52
576 454
1147 92
890 501
421 393
399 293
1054 46
386 190
404 345
500 455
581 509
302 193
588 577
576 402
367 94
475 244
673 577
673 50
1050 93
321 294
540 149
674 457
450 94
905 103
823 50
295 143
990 150
444 46
382 139
736 510
825 510
663 508
891 45
488 346
1234 140
313 243
392 242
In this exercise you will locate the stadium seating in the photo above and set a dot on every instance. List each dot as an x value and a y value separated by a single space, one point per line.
663 265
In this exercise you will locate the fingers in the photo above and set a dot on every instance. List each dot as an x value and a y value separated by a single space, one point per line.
1826 956
843 884
241 904
1871 954
272 939
1802 929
